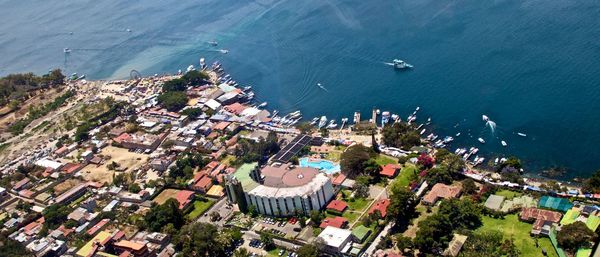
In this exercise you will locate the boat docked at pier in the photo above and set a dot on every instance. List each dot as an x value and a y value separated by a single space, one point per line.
322 122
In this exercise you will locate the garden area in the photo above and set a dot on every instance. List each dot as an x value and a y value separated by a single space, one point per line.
408 173
511 226
200 206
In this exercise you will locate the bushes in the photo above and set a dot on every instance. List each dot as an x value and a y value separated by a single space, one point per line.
173 100
18 126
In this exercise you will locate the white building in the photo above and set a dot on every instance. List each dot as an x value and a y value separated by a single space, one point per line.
279 190
336 240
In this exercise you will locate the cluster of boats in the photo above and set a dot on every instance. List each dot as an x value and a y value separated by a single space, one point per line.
288 120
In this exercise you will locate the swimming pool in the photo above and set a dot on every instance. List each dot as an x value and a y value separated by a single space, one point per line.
323 165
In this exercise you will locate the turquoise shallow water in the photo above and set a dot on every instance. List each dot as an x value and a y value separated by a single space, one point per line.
531 66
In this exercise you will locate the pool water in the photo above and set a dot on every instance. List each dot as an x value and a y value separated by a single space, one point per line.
323 165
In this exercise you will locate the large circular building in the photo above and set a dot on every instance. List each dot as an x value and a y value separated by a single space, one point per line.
279 189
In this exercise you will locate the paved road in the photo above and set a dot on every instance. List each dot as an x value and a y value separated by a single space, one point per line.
282 244
381 235
222 208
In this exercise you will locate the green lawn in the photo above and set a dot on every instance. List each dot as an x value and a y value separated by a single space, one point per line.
358 204
511 226
508 194
275 252
407 174
333 156
383 160
199 208
228 160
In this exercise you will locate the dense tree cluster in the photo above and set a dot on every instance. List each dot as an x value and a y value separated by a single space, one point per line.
204 239
173 100
353 161
55 215
402 205
489 243
192 112
437 230
592 184
14 87
252 151
185 165
164 214
574 236
401 135
11 248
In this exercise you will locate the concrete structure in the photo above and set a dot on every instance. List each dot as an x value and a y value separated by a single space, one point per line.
336 239
279 190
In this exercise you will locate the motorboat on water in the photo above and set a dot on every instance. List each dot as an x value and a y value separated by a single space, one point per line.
356 117
522 134
457 134
481 140
314 121
66 50
247 88
503 143
485 118
224 51
448 139
422 132
322 122
190 68
213 43
263 104
400 64
395 117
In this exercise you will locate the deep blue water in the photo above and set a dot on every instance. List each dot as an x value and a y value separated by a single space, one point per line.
532 66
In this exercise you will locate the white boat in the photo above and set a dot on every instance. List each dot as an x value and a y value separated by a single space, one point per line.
385 118
400 64
485 118
66 50
190 68
224 51
522 134
356 118
458 134
263 104
481 140
314 121
503 143
213 43
422 132
395 117
448 139
248 88
322 122
496 161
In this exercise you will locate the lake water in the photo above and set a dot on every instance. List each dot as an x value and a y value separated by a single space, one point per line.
532 66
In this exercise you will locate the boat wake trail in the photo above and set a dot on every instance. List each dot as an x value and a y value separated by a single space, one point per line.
388 63
492 126
322 87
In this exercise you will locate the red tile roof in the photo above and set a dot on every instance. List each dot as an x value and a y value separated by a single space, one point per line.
32 227
204 183
389 170
235 108
184 198
440 190
92 231
122 137
221 125
380 206
339 179
21 183
338 222
337 205
539 216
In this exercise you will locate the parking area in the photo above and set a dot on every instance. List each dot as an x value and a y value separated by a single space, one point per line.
288 228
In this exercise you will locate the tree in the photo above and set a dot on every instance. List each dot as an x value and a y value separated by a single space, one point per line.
371 168
161 215
353 159
488 243
305 127
404 242
433 234
439 174
192 112
174 85
134 188
361 190
200 239
267 239
316 217
401 135
592 184
55 215
173 100
402 205
241 252
425 161
512 162
574 236
195 77
465 213
311 250
11 248
468 186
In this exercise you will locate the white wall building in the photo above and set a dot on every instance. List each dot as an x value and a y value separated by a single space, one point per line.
281 190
